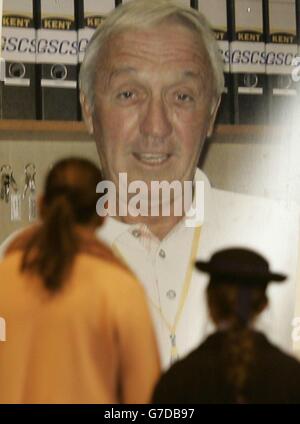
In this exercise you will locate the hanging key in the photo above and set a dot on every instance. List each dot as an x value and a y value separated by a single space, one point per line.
5 172
32 186
15 200
2 191
30 172
13 183
6 187
27 180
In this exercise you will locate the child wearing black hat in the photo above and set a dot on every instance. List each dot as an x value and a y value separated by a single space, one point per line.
236 364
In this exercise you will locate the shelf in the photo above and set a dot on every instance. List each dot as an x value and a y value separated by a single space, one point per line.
14 130
73 130
41 126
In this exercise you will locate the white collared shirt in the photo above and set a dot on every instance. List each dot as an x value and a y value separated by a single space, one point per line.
230 219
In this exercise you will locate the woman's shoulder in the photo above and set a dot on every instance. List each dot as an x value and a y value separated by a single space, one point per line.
10 262
102 279
103 270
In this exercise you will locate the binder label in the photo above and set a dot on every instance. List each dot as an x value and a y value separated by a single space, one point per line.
280 58
247 57
17 21
19 44
57 46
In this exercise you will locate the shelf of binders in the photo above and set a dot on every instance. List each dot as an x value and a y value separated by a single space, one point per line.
75 130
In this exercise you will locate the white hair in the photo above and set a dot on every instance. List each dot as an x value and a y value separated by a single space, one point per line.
145 14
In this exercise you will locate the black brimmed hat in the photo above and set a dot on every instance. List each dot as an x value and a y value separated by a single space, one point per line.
242 266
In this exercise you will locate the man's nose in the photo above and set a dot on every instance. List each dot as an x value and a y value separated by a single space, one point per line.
156 122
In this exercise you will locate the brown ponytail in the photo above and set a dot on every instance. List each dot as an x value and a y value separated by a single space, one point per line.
69 198
238 355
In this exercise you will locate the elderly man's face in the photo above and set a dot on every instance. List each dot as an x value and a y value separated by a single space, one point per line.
153 104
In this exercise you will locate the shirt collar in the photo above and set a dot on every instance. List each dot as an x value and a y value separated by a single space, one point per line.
112 228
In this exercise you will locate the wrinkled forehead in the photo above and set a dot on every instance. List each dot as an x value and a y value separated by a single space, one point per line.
168 45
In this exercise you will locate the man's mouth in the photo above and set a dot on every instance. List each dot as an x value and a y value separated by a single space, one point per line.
152 158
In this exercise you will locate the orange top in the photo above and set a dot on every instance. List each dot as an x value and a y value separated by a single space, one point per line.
92 342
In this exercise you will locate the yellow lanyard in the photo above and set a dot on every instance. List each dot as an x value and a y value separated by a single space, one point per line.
185 289
187 282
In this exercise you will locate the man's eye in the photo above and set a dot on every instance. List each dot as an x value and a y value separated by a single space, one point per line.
183 97
126 95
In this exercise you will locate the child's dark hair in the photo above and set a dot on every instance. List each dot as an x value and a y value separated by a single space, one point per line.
238 355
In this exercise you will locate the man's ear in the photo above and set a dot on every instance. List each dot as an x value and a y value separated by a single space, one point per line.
213 115
87 113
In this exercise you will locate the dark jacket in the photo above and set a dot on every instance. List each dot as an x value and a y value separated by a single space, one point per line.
274 377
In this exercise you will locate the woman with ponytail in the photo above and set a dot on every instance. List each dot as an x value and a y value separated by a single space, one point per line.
236 364
78 328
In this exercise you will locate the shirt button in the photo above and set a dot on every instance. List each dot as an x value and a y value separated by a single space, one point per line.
162 253
171 294
136 233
